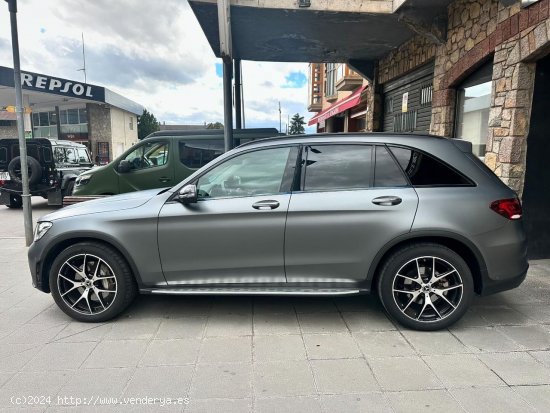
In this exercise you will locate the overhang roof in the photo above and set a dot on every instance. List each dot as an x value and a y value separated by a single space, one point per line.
281 33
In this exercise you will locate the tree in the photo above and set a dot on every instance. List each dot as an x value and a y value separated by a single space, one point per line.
296 125
147 124
216 125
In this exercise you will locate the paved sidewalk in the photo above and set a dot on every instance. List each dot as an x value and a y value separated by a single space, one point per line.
234 354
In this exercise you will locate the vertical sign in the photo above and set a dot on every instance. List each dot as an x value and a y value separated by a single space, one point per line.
405 102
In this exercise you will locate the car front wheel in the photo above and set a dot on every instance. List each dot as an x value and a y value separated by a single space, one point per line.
91 282
426 286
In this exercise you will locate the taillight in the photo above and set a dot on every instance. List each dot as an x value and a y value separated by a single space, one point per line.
2 182
508 208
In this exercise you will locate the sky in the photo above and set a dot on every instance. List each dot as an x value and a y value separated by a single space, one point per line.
152 52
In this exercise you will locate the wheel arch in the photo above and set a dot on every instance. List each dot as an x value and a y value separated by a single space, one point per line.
462 246
72 239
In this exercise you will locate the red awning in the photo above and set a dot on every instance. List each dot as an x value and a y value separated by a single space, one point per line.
338 107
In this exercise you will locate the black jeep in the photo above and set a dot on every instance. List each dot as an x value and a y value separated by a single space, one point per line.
53 167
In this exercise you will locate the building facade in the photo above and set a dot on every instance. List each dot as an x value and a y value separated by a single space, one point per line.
58 108
339 97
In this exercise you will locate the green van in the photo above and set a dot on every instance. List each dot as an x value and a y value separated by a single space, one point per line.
162 159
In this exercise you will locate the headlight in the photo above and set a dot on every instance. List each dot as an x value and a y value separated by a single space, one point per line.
83 180
41 229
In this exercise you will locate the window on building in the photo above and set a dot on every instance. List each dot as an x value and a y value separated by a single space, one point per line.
330 85
388 107
131 125
426 94
340 72
74 124
473 106
45 124
330 167
424 170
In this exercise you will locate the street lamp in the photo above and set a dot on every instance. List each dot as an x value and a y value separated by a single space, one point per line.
26 197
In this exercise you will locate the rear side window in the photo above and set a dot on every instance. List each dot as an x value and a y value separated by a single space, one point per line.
197 153
47 154
387 172
330 167
3 155
424 170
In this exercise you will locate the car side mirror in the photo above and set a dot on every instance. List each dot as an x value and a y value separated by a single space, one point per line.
188 194
124 166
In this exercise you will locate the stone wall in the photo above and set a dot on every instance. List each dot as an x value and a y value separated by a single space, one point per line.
478 31
99 126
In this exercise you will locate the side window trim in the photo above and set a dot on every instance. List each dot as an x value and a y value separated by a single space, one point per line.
409 183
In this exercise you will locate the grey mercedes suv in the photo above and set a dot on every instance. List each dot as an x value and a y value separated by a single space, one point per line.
419 220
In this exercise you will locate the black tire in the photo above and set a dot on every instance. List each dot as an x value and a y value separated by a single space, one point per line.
15 201
114 267
35 170
424 308
69 188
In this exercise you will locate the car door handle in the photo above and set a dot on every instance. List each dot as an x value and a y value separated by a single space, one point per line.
164 179
387 200
268 204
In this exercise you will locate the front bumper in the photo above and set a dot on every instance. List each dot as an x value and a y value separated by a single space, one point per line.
36 261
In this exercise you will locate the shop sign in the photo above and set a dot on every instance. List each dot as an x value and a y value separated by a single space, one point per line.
526 3
405 102
31 81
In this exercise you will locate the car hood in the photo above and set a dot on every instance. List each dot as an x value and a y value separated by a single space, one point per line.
109 203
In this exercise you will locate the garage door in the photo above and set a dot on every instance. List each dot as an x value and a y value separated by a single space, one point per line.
408 102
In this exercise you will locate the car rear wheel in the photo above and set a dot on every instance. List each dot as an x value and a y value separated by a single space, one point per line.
426 286
91 282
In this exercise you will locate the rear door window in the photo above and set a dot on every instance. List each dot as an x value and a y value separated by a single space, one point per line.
71 155
387 172
337 167
424 170
3 155
195 154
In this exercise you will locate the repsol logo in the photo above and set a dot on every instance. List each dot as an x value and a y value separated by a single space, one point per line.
37 82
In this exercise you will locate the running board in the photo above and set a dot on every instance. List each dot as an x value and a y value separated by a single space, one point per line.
256 291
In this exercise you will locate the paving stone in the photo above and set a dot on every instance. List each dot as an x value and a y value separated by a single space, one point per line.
273 305
171 352
355 403
542 356
60 356
184 327
517 368
5 376
503 316
231 305
383 344
487 399
279 348
304 305
404 373
226 349
538 313
40 383
16 360
222 380
343 376
289 378
435 342
273 324
288 404
117 353
229 325
188 306
76 332
529 337
361 322
424 401
134 329
322 323
36 335
331 346
102 383
462 370
485 339
164 381
536 396
219 405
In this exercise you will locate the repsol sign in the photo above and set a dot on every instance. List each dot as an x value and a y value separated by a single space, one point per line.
54 85
70 88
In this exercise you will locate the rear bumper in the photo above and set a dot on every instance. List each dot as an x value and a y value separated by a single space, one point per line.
497 286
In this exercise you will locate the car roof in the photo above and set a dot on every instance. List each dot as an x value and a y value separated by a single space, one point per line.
209 133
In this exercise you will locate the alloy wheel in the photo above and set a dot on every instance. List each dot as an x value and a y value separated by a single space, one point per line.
427 289
87 284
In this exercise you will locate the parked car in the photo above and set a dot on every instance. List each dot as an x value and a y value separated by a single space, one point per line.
160 160
53 167
419 220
